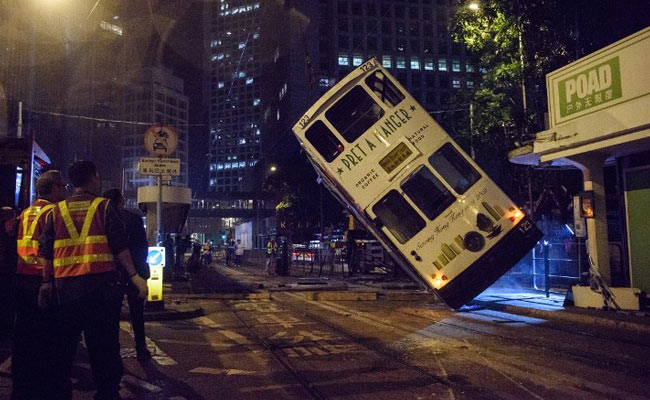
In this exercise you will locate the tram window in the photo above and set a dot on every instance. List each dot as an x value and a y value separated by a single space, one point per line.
324 141
383 87
354 114
454 169
428 193
398 216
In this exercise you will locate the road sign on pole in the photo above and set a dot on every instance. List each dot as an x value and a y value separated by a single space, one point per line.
156 261
160 140
160 166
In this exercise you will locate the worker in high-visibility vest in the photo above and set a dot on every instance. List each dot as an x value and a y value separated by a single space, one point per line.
36 332
82 237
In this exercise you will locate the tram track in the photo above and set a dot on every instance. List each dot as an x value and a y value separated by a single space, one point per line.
512 369
371 346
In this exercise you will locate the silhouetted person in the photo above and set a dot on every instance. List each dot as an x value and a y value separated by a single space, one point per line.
139 248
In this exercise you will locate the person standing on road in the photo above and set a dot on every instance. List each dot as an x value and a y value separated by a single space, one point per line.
239 252
271 254
36 340
82 236
8 258
139 248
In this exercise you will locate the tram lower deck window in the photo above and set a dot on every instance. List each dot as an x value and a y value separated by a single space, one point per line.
398 216
453 168
324 141
428 193
354 114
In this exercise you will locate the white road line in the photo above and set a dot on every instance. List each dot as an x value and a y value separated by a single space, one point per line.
234 336
195 343
157 354
221 371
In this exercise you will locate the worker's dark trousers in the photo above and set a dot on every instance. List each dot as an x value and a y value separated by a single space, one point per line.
97 315
36 351
136 312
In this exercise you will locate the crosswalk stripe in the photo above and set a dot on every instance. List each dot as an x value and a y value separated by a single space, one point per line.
234 336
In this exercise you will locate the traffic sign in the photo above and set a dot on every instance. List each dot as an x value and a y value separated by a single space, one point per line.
160 140
160 166
156 256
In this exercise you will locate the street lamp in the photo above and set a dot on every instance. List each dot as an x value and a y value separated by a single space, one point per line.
474 6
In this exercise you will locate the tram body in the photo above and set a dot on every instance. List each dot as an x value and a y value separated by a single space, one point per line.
433 209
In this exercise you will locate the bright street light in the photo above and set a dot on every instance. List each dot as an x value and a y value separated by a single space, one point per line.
273 168
474 6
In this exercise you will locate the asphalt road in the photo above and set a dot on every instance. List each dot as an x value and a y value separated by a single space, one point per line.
290 347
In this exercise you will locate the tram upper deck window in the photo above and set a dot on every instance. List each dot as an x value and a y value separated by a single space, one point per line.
383 87
453 168
354 114
324 141
428 193
398 216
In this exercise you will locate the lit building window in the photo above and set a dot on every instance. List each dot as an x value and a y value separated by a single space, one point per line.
415 63
428 64
242 141
442 64
455 83
386 62
401 64
220 85
256 102
469 67
357 60
455 66
228 165
256 35
343 59
213 182
215 43
249 81
242 164
242 74
219 166
469 84
242 45
257 132
277 114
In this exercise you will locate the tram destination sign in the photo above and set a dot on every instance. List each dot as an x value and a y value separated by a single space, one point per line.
160 166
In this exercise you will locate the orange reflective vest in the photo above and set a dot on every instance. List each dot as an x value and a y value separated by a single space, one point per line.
32 222
82 252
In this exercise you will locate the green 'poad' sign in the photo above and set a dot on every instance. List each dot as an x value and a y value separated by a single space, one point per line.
590 88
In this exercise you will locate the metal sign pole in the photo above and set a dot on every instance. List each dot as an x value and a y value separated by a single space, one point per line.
159 211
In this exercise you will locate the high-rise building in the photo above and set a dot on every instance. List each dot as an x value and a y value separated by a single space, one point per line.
247 72
234 90
155 96
410 38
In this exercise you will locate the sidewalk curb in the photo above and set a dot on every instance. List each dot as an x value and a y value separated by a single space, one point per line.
264 295
168 314
566 316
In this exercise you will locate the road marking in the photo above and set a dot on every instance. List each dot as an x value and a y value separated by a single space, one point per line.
234 336
150 387
194 343
220 371
5 367
157 354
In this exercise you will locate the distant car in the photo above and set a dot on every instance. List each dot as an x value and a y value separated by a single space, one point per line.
300 252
